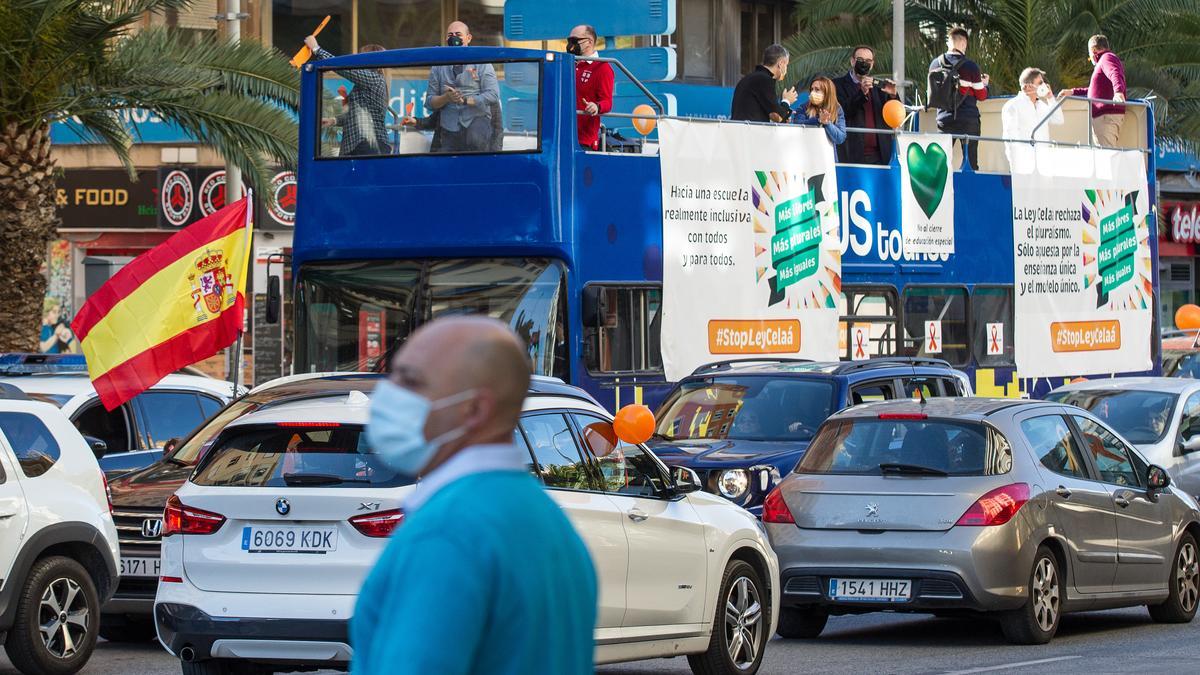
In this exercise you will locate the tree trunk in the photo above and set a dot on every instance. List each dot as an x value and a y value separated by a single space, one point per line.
28 221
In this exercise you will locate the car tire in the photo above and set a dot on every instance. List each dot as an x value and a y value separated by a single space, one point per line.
125 629
1184 583
741 626
796 623
55 585
1037 621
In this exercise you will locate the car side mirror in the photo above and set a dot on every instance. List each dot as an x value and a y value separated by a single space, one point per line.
1157 478
98 446
594 306
685 480
1191 444
274 299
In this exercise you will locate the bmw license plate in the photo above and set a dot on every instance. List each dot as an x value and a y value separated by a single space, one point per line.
289 539
871 590
140 567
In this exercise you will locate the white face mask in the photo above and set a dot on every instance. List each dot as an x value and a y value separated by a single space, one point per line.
1043 90
396 428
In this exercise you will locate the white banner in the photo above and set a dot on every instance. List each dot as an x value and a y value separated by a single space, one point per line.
1083 279
927 193
751 259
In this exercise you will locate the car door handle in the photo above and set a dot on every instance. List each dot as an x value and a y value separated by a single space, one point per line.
637 515
1121 501
1063 492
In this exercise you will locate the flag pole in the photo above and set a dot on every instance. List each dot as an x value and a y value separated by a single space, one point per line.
235 368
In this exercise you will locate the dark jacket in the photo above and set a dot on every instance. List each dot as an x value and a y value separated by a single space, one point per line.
754 98
970 87
853 103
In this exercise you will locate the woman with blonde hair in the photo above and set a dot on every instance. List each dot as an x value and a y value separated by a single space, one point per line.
822 110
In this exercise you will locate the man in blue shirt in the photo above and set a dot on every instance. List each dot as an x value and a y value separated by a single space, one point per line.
466 95
486 574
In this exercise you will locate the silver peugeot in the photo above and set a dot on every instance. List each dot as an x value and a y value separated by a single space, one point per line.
1021 509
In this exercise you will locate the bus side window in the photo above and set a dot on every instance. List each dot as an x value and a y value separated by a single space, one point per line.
628 337
946 305
992 343
869 321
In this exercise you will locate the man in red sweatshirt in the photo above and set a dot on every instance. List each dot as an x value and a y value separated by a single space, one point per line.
1108 83
593 85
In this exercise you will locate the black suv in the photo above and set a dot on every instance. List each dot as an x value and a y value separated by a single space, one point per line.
741 424
138 498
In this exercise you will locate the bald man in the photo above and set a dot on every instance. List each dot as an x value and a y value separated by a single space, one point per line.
486 574
463 94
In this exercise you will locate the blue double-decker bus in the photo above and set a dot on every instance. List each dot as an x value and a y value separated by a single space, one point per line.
565 244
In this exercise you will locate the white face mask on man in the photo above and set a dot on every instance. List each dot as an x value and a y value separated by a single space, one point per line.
1043 90
396 427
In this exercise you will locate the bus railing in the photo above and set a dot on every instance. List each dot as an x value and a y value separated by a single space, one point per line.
1058 104
632 78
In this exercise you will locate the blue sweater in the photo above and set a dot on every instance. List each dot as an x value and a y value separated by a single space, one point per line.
836 130
488 576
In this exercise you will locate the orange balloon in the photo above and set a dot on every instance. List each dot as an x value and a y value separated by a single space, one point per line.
1187 316
893 113
634 424
644 122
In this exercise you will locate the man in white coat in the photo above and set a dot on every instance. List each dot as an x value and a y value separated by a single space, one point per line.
1024 112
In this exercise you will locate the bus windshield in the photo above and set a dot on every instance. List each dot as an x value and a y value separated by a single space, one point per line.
450 108
352 315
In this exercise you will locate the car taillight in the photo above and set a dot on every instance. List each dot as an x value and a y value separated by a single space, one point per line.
775 510
996 507
903 416
107 491
313 425
380 524
179 518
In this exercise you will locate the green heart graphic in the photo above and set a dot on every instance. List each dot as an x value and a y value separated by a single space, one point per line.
927 173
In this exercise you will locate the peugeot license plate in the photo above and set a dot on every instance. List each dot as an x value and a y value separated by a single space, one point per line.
289 539
140 567
871 590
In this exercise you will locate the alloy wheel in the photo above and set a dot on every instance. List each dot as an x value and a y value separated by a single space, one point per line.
1186 576
63 617
743 623
1045 594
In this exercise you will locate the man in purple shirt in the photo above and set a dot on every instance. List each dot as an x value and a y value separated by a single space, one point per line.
1108 83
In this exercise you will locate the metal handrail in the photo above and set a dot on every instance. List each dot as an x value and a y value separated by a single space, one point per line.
1058 104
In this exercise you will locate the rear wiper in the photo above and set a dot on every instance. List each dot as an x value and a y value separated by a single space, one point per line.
895 467
662 437
312 479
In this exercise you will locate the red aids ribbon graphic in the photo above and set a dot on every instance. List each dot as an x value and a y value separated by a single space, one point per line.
995 340
859 339
933 345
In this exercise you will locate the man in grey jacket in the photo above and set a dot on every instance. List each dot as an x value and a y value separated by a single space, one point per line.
464 95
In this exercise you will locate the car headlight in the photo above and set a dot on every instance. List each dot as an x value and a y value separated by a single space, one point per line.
733 483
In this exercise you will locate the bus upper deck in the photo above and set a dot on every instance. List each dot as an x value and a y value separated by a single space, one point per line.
567 244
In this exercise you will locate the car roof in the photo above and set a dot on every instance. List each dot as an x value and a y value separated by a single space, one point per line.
1169 385
788 366
81 385
351 405
964 407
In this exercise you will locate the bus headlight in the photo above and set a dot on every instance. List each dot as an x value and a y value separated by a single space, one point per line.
733 483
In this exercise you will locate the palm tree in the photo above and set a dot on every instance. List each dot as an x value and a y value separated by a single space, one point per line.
81 62
1155 39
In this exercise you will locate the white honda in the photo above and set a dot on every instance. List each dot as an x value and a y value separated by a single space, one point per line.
265 547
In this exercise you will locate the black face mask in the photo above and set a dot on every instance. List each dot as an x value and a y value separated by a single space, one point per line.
454 41
861 67
574 46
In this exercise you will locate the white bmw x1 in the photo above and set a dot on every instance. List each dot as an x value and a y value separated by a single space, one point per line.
265 547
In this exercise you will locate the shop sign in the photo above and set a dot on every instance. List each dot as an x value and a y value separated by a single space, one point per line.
1184 221
106 199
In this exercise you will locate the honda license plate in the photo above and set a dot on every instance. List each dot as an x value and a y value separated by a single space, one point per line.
140 567
289 539
871 590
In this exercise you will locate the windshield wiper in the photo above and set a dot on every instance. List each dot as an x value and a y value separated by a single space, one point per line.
662 437
896 467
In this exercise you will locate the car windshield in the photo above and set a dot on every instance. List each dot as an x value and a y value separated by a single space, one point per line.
1140 416
871 446
754 408
317 455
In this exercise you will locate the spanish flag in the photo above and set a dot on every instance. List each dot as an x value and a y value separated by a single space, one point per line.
176 304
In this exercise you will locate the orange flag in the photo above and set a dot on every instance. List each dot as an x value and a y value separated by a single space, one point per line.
174 305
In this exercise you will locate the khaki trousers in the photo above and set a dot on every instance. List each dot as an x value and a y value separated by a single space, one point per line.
1107 129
